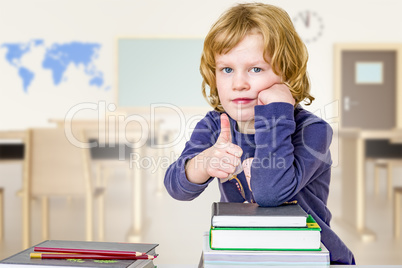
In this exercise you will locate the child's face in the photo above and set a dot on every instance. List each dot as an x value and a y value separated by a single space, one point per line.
241 74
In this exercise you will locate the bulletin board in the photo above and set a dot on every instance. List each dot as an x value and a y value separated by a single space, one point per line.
159 70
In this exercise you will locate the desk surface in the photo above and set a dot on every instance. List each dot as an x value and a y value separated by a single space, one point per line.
395 135
331 266
12 145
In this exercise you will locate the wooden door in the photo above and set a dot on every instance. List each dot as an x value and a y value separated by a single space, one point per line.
370 97
368 89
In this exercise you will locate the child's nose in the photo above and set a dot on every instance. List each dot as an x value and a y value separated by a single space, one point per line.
240 82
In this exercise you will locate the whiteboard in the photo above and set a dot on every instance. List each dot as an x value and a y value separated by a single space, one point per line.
159 70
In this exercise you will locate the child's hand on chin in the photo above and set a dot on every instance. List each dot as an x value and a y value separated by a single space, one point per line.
276 93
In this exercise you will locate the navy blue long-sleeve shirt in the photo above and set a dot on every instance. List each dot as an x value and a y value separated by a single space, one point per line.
292 161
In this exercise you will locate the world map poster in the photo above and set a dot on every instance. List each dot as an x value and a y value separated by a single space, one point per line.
41 80
56 59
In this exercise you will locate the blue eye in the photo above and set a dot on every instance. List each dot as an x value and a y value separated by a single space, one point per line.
227 70
256 69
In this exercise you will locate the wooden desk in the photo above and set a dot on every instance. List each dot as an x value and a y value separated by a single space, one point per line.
353 156
329 266
12 135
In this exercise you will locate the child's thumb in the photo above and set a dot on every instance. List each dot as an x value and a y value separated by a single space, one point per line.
225 135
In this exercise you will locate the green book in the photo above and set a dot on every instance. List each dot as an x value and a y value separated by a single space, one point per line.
255 238
23 260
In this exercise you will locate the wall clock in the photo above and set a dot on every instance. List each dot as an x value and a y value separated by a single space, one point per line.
309 25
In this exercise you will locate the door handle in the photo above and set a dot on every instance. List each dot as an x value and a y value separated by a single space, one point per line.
347 103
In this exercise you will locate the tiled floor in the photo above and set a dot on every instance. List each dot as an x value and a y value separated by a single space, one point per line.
178 226
385 249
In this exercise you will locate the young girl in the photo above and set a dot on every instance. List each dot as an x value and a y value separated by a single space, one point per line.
254 64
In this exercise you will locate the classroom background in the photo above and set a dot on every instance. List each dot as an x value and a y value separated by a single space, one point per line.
125 73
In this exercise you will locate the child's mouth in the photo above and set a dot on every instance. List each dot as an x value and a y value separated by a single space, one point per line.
242 100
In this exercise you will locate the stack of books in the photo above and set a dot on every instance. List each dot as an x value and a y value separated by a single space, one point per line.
51 253
247 235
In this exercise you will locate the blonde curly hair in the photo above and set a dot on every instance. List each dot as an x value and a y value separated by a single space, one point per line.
282 45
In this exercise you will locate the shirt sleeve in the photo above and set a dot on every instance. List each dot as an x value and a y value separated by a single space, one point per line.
288 156
204 136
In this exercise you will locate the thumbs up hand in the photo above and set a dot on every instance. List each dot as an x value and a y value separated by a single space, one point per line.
224 156
220 160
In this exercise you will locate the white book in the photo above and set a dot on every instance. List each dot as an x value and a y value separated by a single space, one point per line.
248 258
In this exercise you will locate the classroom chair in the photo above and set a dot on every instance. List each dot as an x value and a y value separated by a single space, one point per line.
53 166
387 165
1 213
397 211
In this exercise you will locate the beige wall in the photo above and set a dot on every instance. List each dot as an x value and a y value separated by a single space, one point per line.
103 21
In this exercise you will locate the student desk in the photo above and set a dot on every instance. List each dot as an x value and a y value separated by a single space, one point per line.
330 266
12 137
355 149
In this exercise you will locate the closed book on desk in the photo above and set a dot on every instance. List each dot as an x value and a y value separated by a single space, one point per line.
252 215
246 258
299 238
22 259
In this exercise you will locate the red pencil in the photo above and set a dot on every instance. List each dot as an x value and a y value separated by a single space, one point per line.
90 251
88 256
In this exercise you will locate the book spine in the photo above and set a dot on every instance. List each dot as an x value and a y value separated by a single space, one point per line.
213 211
